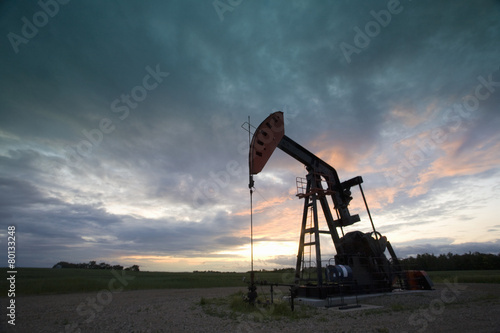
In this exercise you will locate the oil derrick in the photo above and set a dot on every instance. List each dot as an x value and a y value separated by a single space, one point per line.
361 265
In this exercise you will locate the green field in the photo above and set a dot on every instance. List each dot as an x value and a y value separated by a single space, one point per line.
486 276
38 281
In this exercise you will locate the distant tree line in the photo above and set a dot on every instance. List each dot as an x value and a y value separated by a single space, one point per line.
94 265
452 262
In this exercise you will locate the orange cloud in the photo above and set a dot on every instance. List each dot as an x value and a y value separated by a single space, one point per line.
261 204
454 162
376 198
411 118
150 259
343 158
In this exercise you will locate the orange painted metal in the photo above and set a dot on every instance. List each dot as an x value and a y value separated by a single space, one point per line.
418 280
265 140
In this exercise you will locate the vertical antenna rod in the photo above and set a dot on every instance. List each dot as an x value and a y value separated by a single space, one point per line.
250 186
252 294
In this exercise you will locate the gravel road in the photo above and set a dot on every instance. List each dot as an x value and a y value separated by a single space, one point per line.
449 308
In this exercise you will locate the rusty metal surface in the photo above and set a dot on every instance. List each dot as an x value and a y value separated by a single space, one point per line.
265 140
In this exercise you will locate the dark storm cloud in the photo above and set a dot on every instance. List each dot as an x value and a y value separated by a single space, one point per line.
45 215
58 230
444 246
164 236
180 144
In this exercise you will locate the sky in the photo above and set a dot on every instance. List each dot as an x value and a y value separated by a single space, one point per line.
121 134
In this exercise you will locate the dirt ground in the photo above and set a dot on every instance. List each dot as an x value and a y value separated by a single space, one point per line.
450 307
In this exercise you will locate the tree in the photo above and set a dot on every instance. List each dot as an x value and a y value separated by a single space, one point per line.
133 268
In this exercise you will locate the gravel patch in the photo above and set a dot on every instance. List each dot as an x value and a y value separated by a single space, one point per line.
449 308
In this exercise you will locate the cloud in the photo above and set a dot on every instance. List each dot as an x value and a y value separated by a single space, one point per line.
170 179
443 246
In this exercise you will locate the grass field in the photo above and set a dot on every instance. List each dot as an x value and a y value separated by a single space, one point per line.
38 281
489 276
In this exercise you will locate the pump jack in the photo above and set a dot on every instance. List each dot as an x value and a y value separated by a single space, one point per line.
360 263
